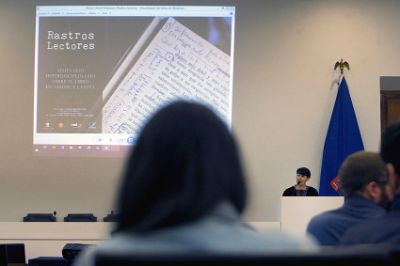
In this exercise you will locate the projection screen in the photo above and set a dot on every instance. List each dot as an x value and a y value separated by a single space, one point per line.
101 71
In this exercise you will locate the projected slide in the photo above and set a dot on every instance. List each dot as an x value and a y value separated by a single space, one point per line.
101 71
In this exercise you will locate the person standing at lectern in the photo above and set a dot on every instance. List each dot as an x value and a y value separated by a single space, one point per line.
303 174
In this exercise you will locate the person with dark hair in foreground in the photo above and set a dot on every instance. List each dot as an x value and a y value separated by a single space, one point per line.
365 185
184 189
303 174
384 229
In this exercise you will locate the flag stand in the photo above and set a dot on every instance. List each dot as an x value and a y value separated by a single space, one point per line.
342 139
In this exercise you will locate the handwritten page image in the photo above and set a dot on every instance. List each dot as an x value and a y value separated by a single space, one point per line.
178 63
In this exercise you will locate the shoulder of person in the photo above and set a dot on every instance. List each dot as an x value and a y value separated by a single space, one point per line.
354 235
313 190
288 191
380 229
321 220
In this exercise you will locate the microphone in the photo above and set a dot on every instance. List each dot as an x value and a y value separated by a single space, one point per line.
298 182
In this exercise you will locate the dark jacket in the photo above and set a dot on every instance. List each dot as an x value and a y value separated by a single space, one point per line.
292 191
328 227
382 230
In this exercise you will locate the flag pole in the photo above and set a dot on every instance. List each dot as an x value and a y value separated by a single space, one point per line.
343 137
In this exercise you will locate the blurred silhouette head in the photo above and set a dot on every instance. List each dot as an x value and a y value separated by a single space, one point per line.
390 152
364 173
390 146
184 163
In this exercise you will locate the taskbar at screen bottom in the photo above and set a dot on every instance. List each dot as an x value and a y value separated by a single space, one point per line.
81 150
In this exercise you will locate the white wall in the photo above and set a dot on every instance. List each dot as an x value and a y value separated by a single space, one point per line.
285 86
284 92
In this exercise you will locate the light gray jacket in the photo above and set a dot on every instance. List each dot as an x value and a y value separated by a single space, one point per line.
219 232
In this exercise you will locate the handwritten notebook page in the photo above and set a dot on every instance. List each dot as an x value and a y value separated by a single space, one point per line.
178 63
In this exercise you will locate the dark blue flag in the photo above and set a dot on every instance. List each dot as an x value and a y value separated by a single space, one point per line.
343 138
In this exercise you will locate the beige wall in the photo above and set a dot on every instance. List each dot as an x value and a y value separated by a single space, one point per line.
284 90
285 86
